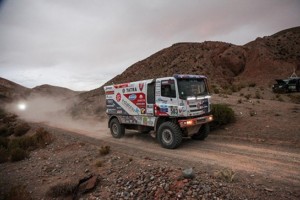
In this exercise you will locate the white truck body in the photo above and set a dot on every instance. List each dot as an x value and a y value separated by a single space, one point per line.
183 100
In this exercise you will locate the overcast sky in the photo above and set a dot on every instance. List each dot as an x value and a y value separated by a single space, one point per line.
81 44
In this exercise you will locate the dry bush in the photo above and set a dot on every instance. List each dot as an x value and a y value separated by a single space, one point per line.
258 95
104 150
252 84
4 154
18 154
42 137
222 114
248 96
21 129
3 130
295 99
2 113
18 192
62 189
23 143
226 175
4 142
99 163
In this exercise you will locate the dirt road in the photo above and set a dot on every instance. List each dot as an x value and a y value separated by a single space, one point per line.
277 165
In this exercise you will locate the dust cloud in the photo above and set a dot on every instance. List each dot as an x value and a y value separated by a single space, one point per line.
56 111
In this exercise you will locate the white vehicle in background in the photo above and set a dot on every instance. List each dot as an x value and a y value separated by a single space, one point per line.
172 107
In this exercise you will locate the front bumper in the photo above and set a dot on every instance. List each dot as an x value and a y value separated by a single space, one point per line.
195 121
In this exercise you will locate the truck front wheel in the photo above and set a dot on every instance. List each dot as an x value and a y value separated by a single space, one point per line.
169 135
117 130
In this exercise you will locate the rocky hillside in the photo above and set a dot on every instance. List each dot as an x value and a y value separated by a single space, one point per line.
49 90
10 90
260 62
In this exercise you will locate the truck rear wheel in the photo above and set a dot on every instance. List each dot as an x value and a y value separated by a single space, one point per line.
202 133
169 135
117 130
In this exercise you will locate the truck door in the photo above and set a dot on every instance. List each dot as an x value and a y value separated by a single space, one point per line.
150 98
166 97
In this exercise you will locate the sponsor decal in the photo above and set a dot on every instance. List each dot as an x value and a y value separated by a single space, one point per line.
143 111
164 108
132 97
174 110
141 86
108 88
133 89
109 92
124 85
118 97
130 107
109 97
159 99
109 101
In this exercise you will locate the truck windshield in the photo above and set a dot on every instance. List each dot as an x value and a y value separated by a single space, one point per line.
191 88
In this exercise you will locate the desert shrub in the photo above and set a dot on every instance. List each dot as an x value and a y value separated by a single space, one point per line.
4 142
2 113
252 84
4 154
3 131
10 118
216 90
226 175
257 94
21 129
18 154
18 192
223 115
240 101
248 96
22 143
99 163
62 189
42 137
295 98
252 113
104 150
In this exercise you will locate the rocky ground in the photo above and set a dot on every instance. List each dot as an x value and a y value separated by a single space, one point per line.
255 158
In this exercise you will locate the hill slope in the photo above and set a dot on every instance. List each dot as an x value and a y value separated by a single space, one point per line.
260 61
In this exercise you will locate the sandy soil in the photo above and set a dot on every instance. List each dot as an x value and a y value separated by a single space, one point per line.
262 148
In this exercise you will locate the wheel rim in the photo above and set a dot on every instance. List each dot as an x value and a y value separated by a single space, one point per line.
167 136
115 129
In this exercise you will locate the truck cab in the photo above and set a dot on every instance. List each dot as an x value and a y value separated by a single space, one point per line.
172 107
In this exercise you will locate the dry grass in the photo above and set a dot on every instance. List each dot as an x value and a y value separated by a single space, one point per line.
17 148
18 154
21 129
62 189
226 175
99 163
16 193
104 150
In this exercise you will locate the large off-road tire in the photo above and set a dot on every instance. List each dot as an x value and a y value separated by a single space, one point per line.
202 133
117 130
169 135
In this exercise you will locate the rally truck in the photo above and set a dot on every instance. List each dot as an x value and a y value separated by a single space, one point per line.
170 107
